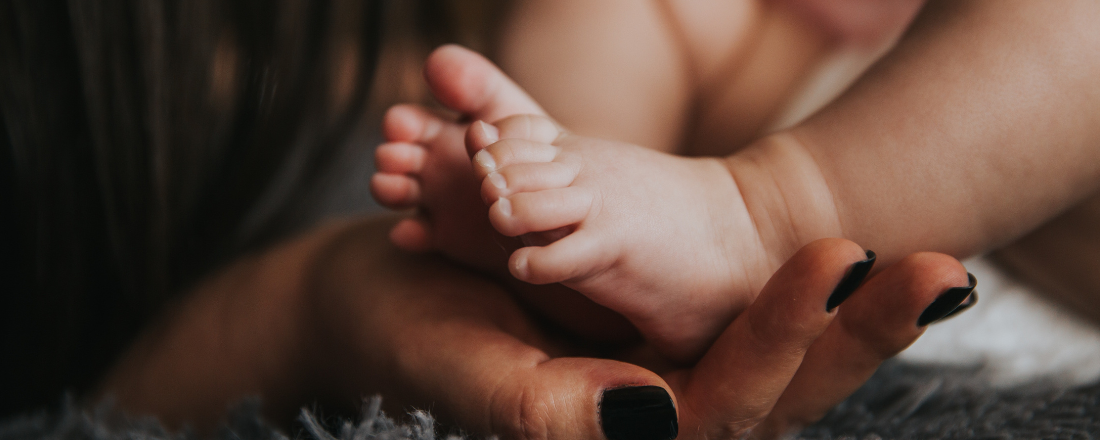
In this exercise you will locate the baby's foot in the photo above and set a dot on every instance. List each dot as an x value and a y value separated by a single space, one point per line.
424 163
667 241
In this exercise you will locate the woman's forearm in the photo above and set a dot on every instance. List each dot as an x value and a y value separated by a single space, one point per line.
981 124
240 333
331 316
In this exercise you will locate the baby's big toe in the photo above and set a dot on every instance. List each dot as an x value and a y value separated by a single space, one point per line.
509 152
535 128
469 83
573 258
526 177
540 211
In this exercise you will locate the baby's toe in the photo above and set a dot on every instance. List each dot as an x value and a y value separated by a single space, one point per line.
480 135
410 123
510 152
400 158
469 83
578 255
540 211
412 235
527 177
395 191
536 128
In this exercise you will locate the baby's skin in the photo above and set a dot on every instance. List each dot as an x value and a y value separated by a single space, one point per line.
662 239
926 152
666 241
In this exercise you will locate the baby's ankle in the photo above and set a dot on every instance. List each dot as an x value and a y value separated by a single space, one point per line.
786 194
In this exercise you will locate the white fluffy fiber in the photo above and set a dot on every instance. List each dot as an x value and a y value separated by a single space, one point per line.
1016 336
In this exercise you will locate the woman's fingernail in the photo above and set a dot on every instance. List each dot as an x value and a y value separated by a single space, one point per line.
497 180
950 303
856 274
489 132
638 413
970 301
485 160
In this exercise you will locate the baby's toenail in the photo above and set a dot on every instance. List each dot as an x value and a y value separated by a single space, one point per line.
505 207
519 268
489 132
497 180
485 160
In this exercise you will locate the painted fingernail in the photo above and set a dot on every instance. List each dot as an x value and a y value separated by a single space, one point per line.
856 274
950 303
485 160
638 413
497 180
970 301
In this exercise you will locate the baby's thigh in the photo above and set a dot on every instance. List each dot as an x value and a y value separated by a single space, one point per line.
775 74
618 69
1062 258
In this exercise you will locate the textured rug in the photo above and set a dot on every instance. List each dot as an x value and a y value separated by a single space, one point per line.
902 401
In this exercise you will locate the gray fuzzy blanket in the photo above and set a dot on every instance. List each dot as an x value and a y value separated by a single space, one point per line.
902 401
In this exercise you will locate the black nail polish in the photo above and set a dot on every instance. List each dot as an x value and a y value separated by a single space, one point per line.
970 301
638 413
851 281
950 303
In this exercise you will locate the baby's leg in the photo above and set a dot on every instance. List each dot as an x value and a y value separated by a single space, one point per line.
1062 258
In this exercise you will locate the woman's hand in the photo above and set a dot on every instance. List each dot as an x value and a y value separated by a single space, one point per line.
339 314
441 339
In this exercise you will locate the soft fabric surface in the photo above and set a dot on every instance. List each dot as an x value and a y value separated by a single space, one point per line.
1018 335
902 401
906 401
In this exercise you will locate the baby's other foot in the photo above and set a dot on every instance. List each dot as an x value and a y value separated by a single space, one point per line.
665 240
424 163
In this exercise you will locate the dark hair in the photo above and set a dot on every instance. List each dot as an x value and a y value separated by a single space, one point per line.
146 143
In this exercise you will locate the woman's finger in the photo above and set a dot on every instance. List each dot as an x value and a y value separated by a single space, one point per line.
880 319
736 383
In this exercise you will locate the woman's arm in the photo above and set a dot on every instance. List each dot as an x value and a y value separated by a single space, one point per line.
239 333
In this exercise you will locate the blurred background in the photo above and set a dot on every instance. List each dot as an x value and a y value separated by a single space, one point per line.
146 143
